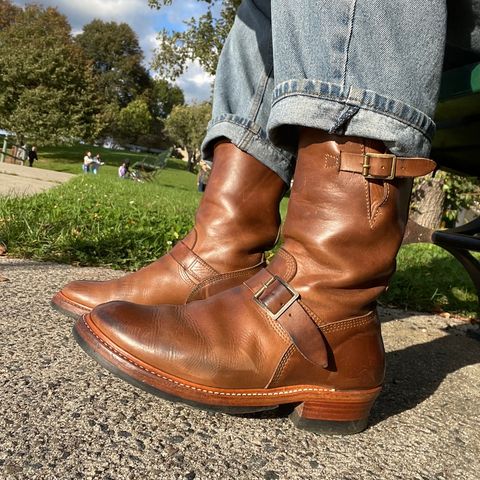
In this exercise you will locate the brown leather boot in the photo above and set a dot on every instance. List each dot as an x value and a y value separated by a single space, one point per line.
302 331
237 221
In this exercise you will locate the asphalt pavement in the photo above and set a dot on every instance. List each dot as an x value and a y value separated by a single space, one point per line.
64 417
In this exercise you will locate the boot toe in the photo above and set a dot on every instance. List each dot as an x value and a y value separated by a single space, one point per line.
128 327
81 292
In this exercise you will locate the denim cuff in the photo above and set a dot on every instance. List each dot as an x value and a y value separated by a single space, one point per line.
362 113
250 138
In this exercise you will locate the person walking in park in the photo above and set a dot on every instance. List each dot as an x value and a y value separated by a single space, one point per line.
32 156
341 97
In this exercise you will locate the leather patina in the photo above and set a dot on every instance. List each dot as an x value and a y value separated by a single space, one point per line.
303 330
237 221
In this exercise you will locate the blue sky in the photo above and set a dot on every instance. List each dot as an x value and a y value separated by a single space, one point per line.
146 22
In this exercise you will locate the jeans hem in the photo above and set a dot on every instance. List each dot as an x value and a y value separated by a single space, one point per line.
250 138
405 130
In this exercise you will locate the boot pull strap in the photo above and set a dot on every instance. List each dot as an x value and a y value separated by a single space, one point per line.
385 166
281 302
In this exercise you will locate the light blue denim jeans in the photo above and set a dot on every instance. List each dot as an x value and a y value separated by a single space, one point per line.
367 68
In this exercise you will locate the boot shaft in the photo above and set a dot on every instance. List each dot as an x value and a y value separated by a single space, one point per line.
238 217
343 230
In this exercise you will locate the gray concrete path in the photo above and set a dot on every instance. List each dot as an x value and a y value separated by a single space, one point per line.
64 417
16 180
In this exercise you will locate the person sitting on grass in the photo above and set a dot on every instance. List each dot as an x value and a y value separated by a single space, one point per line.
124 169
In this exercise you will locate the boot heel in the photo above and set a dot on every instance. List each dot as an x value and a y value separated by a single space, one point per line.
335 416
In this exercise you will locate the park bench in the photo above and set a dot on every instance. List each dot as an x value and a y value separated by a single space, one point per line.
147 169
456 148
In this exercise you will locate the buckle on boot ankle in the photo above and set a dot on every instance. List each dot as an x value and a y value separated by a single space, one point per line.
284 308
367 165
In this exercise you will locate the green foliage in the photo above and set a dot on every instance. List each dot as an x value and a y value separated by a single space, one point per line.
186 125
163 97
429 279
460 192
8 13
134 119
203 39
116 56
46 93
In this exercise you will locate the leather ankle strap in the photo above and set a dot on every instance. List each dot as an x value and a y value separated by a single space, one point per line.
385 166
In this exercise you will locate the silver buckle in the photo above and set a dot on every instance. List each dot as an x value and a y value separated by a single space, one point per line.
366 166
295 297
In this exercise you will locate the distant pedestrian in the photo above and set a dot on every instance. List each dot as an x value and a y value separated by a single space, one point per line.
32 155
205 167
87 162
96 163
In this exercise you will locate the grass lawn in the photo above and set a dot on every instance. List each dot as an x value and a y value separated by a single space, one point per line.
69 159
102 220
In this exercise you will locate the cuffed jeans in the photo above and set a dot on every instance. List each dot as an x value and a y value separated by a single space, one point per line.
366 68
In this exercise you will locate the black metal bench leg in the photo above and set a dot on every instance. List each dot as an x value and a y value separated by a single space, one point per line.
459 242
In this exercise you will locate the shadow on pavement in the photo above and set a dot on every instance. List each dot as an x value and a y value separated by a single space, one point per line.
415 373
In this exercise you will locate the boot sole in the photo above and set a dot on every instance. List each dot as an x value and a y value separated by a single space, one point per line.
317 409
68 307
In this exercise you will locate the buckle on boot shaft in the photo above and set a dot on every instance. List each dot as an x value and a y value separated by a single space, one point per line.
367 165
295 296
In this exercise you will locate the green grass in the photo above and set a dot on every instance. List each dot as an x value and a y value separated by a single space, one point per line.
69 159
429 279
102 220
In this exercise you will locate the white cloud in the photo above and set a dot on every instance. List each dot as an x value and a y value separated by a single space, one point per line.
145 21
196 83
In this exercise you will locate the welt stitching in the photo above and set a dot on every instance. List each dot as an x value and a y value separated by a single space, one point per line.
73 304
227 394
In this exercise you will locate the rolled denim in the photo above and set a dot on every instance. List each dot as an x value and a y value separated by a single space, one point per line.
366 68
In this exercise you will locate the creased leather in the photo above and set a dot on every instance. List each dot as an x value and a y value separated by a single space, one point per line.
341 236
237 220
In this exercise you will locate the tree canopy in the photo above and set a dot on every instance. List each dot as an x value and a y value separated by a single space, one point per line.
46 91
116 56
202 40
186 125
57 88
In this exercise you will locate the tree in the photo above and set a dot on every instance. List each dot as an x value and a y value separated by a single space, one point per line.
46 92
202 40
438 198
163 97
134 119
8 13
116 56
186 126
